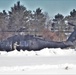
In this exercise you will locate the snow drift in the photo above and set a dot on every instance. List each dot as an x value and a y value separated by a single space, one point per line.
43 52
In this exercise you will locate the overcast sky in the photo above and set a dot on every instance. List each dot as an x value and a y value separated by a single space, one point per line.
51 6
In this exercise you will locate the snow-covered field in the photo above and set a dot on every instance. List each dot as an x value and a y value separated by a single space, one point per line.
43 52
46 61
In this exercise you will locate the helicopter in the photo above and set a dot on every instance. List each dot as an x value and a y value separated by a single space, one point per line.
30 42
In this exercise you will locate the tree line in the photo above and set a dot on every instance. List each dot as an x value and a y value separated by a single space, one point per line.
19 19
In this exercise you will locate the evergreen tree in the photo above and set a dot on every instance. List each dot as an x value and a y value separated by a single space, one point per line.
18 17
59 16
73 13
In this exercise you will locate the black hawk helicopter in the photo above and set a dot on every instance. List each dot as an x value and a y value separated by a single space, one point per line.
29 42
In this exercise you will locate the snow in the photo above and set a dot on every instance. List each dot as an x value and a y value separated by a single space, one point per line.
66 22
62 66
46 61
43 52
40 69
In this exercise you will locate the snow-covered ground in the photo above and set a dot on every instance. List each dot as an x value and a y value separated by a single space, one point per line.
43 52
46 61
40 69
